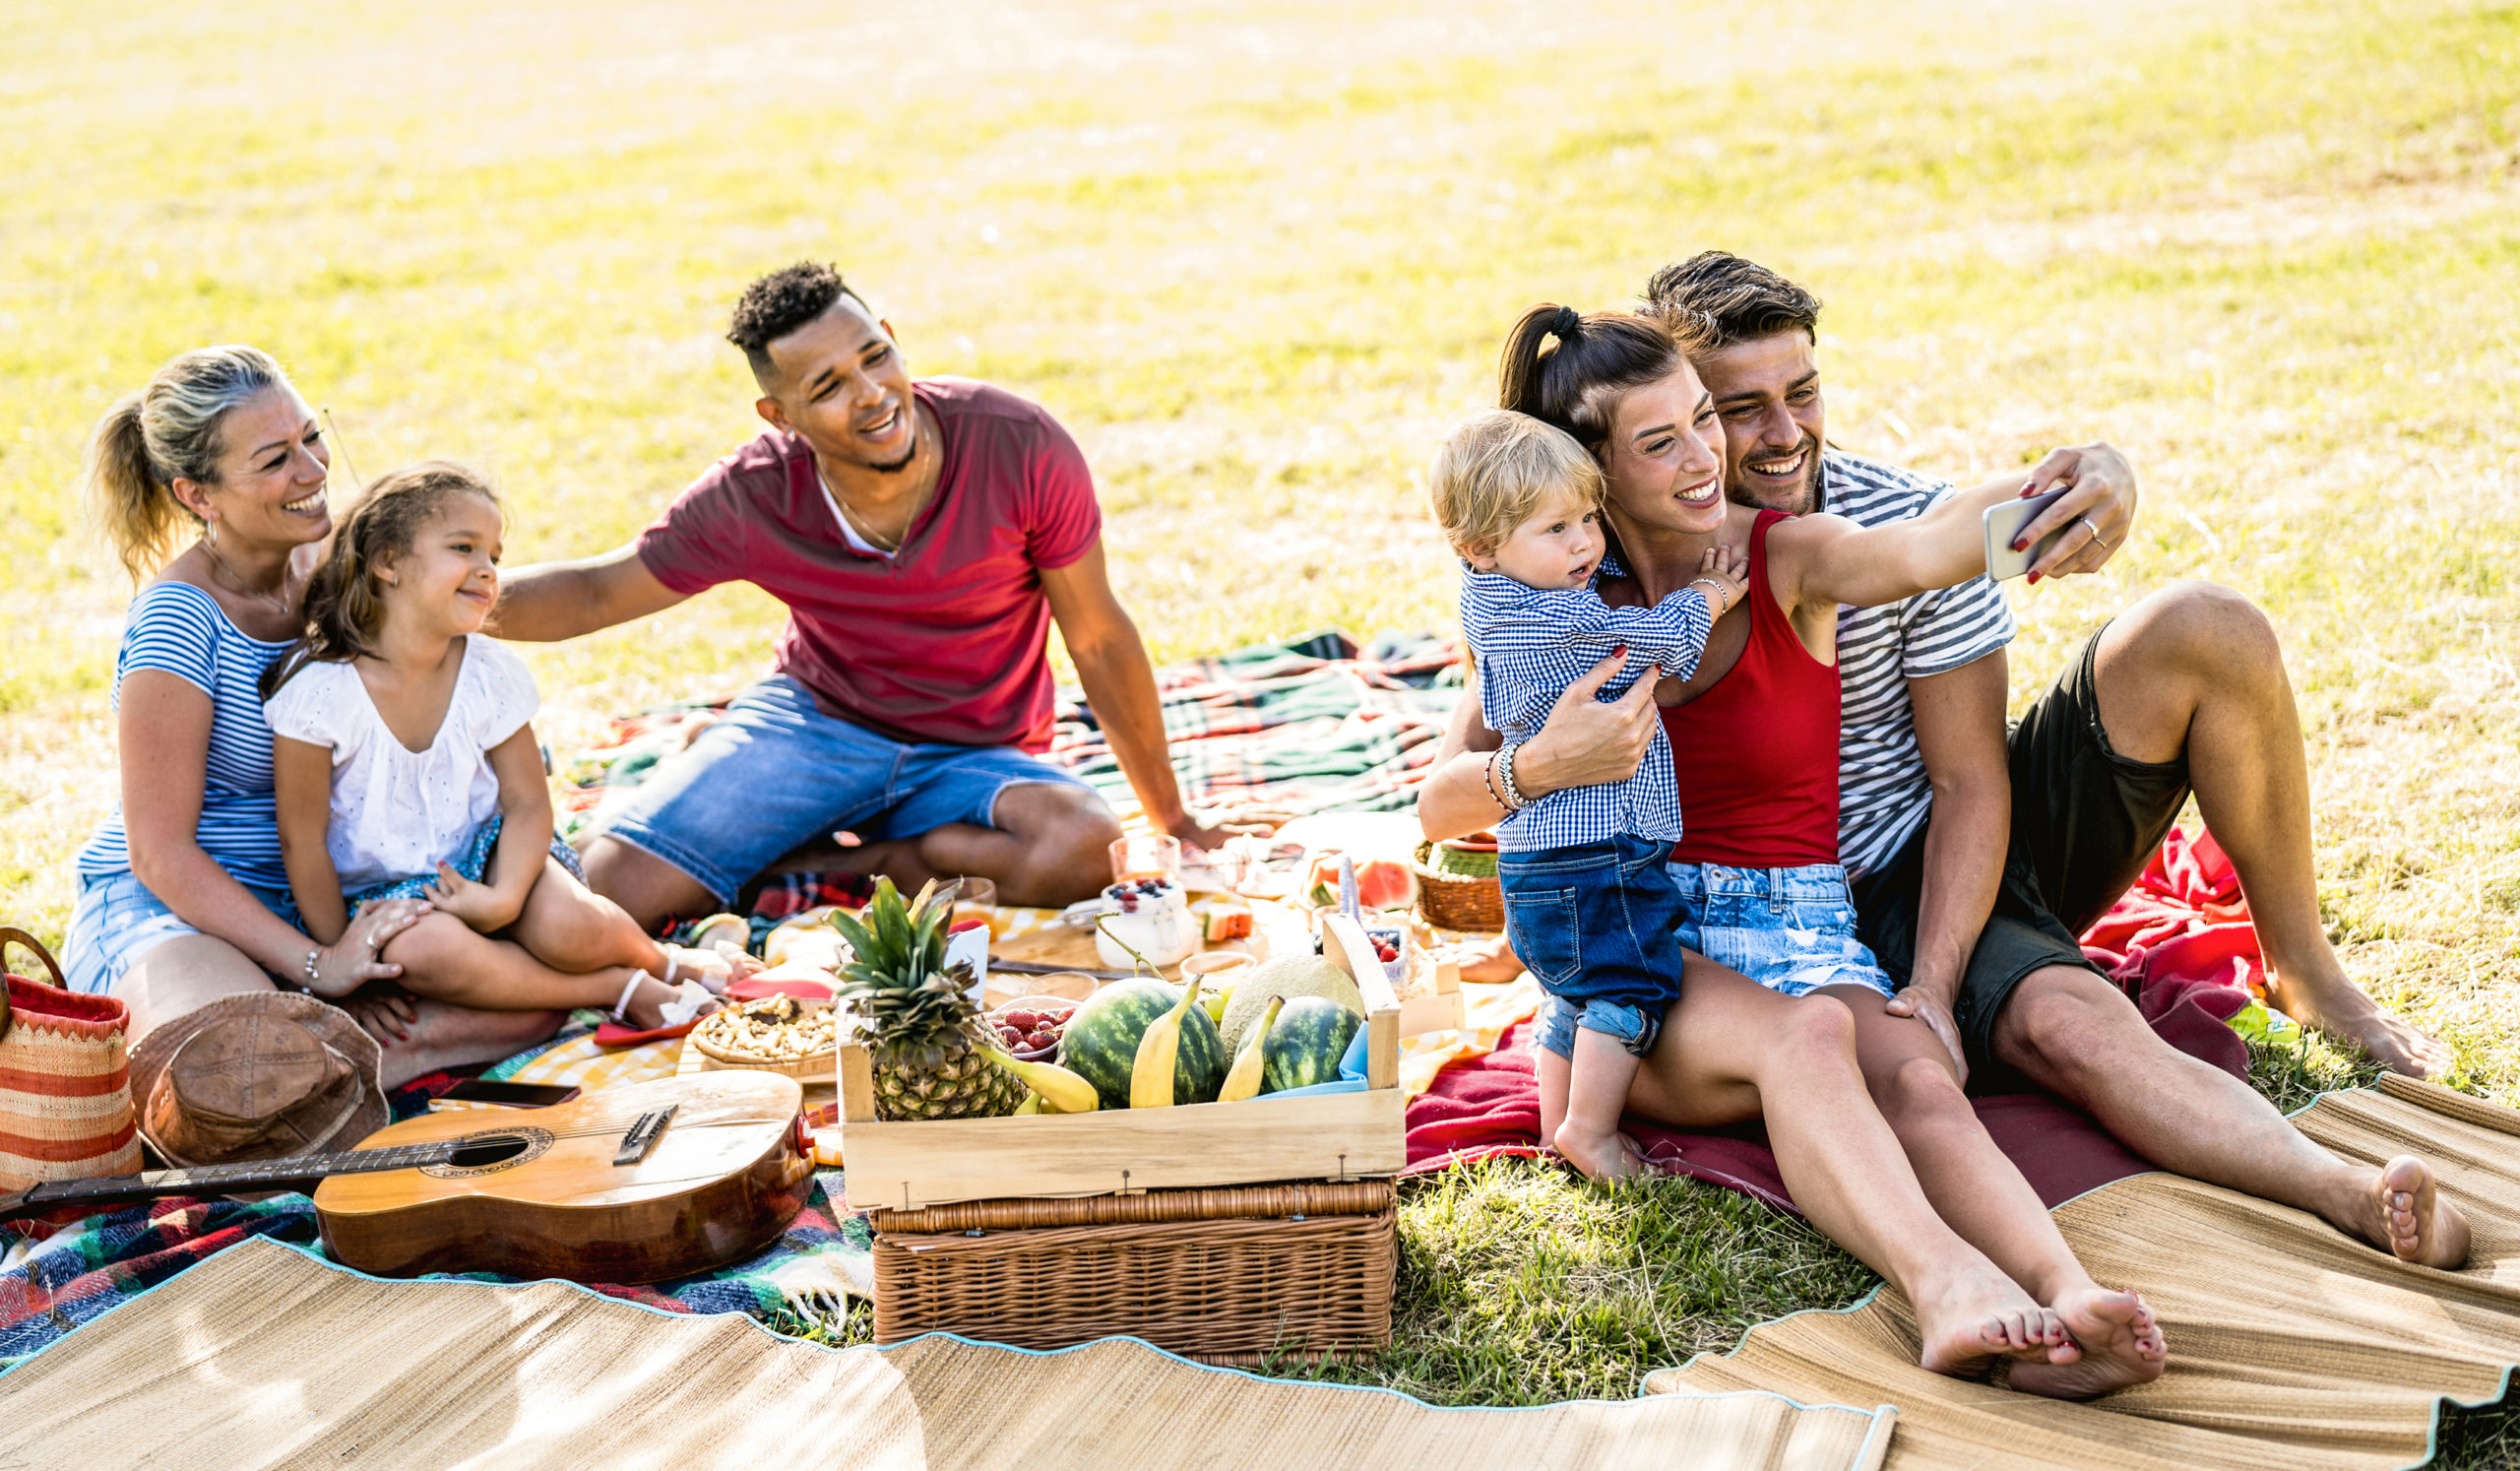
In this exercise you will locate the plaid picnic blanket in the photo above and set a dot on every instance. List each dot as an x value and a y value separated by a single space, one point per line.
1317 723
1313 724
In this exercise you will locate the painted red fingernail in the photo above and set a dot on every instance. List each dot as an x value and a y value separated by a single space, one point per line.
2019 542
2033 578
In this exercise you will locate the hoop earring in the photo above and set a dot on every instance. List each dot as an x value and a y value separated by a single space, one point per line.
210 533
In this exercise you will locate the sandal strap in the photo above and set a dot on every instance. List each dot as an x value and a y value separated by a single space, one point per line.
621 1008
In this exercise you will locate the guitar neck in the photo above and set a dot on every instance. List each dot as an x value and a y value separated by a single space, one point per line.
224 1179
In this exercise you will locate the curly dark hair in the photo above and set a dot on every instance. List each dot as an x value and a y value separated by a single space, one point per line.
779 304
1735 301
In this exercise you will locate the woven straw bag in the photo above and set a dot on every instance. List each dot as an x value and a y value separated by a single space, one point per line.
65 1083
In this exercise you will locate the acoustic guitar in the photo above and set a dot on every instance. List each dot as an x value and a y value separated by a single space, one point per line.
637 1183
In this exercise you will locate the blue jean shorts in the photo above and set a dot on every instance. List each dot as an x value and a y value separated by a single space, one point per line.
1594 924
774 773
1789 929
117 920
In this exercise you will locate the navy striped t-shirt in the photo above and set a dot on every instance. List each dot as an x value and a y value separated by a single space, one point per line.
181 629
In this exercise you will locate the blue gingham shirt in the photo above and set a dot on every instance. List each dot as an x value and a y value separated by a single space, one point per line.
1530 644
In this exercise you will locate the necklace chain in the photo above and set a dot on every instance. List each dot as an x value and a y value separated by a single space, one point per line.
238 585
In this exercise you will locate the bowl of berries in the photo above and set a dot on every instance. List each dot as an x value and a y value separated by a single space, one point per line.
1391 947
1030 1028
1145 919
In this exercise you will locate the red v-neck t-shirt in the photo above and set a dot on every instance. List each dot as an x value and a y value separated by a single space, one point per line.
944 640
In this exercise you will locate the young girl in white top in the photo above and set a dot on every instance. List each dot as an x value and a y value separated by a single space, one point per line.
405 765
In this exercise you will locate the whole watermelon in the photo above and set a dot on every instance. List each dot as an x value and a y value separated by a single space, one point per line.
1304 1047
1101 1043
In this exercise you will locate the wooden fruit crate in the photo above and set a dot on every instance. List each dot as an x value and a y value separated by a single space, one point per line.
1336 1136
1230 1276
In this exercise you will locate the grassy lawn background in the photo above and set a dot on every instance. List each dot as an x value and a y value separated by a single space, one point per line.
1256 259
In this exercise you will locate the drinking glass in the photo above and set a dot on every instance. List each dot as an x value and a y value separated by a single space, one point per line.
1146 855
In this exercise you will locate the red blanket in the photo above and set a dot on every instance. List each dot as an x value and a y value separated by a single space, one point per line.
2180 942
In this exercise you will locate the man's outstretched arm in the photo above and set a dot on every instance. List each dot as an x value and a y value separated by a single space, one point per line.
553 601
1960 731
1119 683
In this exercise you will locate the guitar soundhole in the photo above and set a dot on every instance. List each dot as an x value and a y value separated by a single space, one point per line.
490 1153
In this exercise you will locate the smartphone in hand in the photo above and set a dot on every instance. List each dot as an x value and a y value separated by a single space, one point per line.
2004 522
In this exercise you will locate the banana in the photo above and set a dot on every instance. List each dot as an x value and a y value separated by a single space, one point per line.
1059 1089
1151 1073
1244 1081
1032 1104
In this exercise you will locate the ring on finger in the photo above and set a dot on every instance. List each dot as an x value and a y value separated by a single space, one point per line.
2094 530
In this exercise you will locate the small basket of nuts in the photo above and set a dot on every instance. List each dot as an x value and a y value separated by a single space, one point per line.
794 1035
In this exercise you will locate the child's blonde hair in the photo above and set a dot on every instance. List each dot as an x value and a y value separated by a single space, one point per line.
1496 470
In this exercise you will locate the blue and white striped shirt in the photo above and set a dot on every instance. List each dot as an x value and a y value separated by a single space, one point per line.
181 629
1530 644
1884 794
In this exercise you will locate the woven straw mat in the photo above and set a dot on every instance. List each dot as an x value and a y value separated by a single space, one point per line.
263 1356
2289 1345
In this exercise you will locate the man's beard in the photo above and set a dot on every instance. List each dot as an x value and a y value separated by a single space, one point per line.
898 466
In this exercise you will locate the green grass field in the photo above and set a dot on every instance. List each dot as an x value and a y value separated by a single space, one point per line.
1256 258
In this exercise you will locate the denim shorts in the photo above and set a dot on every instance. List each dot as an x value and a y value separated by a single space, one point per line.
471 863
1594 924
117 920
774 773
1637 1030
1789 929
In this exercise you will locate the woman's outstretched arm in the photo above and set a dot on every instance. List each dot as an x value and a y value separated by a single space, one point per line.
1828 560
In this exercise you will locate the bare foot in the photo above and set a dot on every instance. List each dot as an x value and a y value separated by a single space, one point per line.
1965 1328
709 968
440 1035
2118 1343
1611 1158
2409 1219
2343 1012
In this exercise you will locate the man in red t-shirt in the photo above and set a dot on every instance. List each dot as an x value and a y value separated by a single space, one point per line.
923 534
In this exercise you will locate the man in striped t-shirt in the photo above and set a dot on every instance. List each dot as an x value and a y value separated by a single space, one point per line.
1978 854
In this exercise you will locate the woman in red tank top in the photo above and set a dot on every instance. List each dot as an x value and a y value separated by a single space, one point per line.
1758 799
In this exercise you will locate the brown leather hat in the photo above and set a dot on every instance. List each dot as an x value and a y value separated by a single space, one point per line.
265 1075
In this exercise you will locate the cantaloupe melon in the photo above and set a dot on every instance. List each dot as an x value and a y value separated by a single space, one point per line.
1289 977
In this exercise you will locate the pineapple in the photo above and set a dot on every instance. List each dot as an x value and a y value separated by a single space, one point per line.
923 1031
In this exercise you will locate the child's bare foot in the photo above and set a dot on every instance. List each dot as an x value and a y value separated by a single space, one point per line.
2409 1219
1969 1325
1609 1158
2116 1343
648 1003
709 968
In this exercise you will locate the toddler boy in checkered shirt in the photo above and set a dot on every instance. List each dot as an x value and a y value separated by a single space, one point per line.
1589 906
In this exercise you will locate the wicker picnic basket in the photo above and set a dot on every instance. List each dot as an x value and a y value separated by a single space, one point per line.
66 1110
1452 892
1232 1276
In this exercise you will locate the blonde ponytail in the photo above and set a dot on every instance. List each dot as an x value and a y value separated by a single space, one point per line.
167 431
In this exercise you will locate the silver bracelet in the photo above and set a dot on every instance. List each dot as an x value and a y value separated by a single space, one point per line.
1515 801
1719 587
313 974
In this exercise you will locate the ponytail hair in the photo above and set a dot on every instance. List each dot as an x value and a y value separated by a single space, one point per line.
1576 382
167 431
345 607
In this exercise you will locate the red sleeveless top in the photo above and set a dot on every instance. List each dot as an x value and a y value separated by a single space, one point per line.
1757 752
